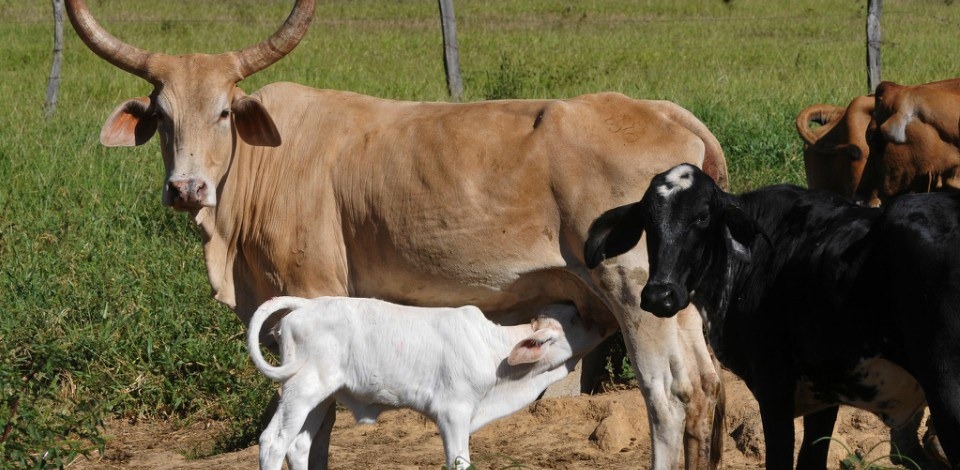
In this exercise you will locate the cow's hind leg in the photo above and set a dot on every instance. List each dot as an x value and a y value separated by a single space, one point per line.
320 447
941 384
934 360
817 430
300 452
945 412
301 394
905 446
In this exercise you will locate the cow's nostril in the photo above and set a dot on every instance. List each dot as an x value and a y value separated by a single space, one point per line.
174 189
187 193
667 301
660 299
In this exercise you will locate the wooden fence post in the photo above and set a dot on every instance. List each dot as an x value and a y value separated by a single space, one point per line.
53 85
451 52
874 8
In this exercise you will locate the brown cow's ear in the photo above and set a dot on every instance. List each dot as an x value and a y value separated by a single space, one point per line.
132 123
851 151
254 123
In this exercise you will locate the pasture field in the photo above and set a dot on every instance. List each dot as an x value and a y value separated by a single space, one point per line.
106 309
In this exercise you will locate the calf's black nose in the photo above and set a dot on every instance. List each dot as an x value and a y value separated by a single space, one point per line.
662 300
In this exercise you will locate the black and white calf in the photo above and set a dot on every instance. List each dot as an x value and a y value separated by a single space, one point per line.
812 300
451 364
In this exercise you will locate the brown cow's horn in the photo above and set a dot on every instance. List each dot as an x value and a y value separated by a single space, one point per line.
256 58
105 45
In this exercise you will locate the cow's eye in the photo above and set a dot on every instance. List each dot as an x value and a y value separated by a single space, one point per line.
224 114
702 219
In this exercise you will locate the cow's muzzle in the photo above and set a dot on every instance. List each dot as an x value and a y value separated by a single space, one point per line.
187 194
663 299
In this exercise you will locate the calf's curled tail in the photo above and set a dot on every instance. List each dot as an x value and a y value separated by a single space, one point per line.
284 371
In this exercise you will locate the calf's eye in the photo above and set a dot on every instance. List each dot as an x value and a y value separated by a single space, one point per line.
702 218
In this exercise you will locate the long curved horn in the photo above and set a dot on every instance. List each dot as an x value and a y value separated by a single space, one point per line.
105 45
256 58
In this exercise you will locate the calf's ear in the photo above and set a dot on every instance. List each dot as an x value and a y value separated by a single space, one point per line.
131 123
614 233
254 124
532 348
740 230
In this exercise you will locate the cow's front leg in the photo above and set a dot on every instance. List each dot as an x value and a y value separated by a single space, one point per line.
454 427
775 399
703 430
814 450
654 349
659 360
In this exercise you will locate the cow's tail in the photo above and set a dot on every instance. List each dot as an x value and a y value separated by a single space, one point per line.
823 114
284 371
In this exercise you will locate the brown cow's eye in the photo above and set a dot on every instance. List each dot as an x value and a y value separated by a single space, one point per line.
224 114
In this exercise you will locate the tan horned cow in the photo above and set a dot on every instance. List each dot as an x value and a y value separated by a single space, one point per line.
915 140
835 153
308 192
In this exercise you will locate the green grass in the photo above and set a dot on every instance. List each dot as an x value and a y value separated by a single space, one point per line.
106 306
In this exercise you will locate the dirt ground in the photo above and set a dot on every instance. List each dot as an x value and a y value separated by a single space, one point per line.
602 431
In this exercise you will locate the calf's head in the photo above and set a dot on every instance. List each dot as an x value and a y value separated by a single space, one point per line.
690 223
559 334
195 106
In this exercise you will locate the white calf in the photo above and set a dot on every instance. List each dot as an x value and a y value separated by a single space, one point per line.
450 364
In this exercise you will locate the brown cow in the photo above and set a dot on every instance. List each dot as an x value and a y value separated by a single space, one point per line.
834 154
308 192
915 140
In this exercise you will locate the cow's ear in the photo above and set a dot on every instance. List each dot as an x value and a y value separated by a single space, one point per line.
740 230
852 151
254 124
532 348
615 232
132 123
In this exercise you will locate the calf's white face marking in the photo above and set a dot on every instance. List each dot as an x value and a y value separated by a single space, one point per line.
677 179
